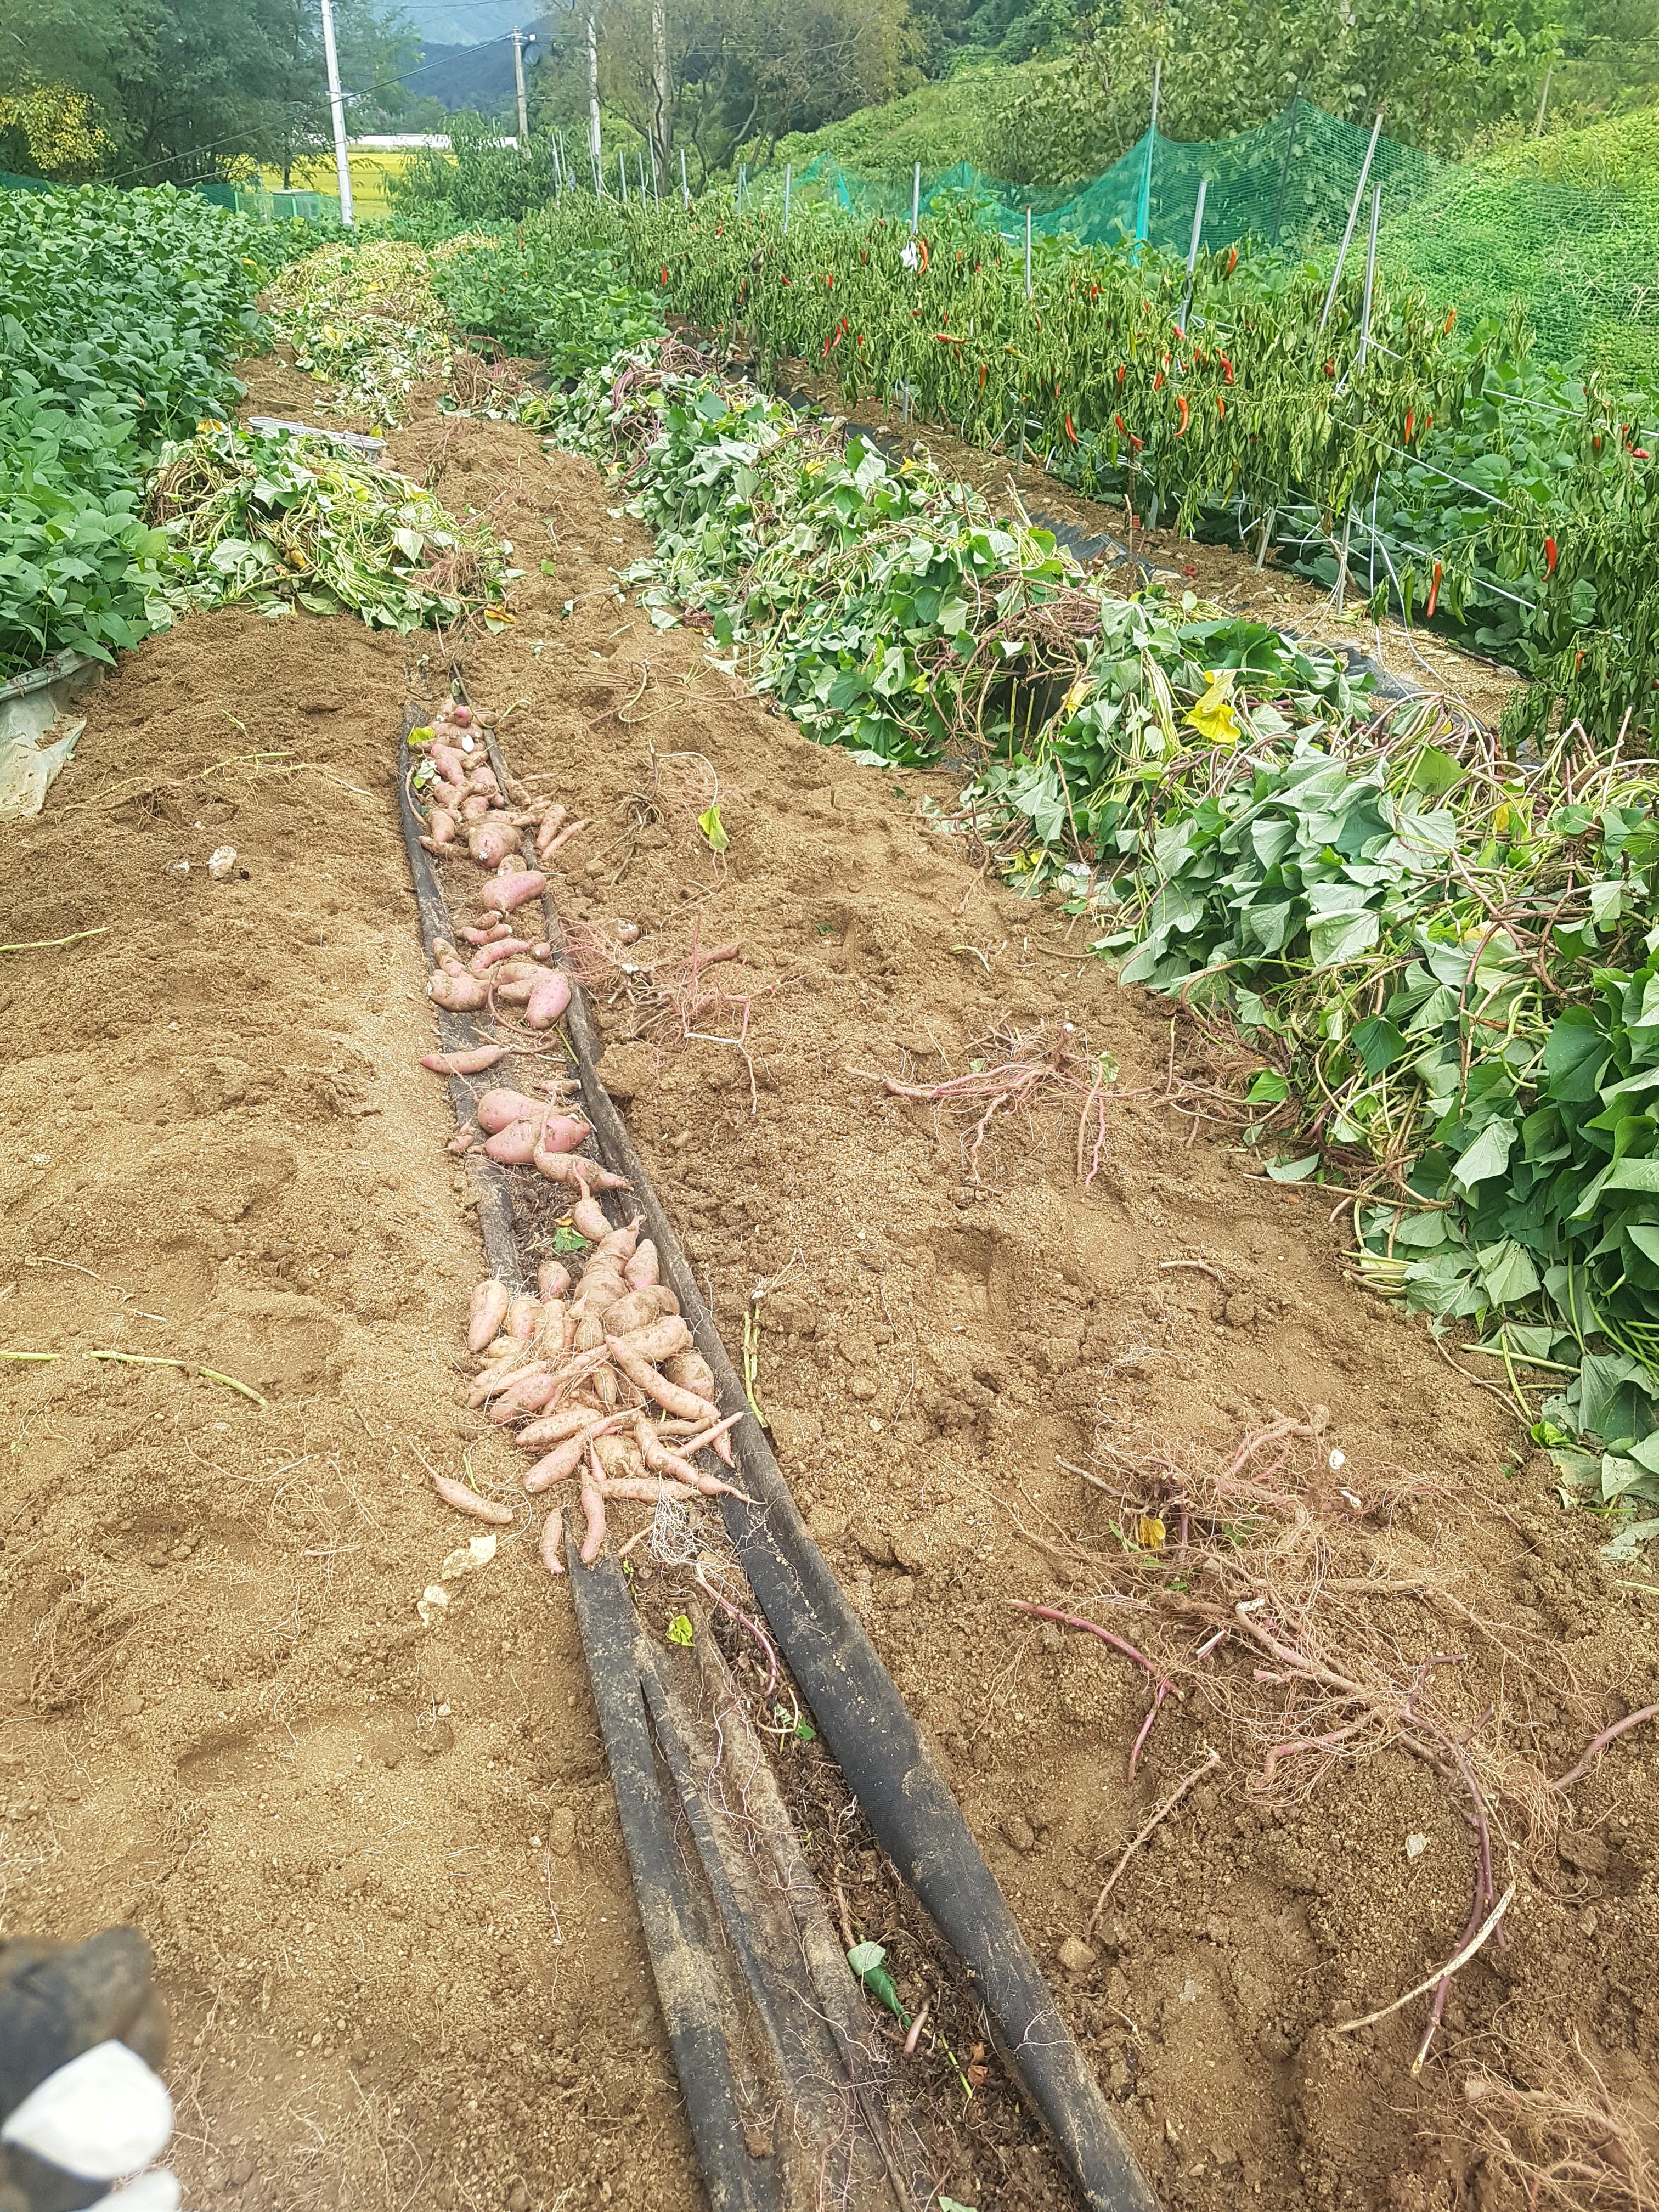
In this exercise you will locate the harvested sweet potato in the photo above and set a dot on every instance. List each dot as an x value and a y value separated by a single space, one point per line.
552 1543
474 807
491 843
463 1139
659 1339
616 1248
512 888
550 1428
593 1508
564 1132
501 948
499 1106
523 1316
457 994
440 826
526 1392
468 1501
450 765
473 1061
692 1372
553 1279
657 1387
490 1301
514 1146
644 1269
563 1461
588 1219
639 1309
619 1455
548 1000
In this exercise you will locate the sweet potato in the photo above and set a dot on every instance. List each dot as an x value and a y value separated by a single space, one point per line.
548 1000
639 1309
457 994
473 1061
474 809
441 825
617 1454
646 1490
556 844
588 1219
483 778
550 1428
503 1373
523 1316
644 1269
514 1146
692 1372
616 1248
446 956
553 1279
552 1543
468 1501
463 1139
563 1133
593 1507
491 843
526 1392
659 1340
658 1388
554 1329
451 763
499 1106
502 948
561 1462
512 888
490 1301
571 1167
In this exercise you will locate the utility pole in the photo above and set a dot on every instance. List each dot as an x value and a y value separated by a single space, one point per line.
521 40
662 90
336 102
594 147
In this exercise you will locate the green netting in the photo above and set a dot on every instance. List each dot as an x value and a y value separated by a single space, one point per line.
1581 259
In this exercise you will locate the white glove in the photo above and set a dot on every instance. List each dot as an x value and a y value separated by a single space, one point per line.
103 2116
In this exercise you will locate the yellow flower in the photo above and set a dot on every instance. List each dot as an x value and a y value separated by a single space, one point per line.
1213 717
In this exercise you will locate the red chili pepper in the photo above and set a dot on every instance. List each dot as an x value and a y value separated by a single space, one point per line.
1070 432
1232 260
1121 424
1330 368
1434 592
1550 556
1451 318
1185 413
664 272
1221 407
1226 367
830 280
1411 419
982 376
1428 424
1157 380
922 243
786 279
1122 366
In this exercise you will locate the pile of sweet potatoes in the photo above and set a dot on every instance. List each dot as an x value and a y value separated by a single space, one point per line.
468 815
600 1375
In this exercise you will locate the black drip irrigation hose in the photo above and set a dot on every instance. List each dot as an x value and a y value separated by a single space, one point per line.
869 1730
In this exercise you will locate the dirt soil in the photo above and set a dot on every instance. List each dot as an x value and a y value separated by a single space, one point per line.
380 1863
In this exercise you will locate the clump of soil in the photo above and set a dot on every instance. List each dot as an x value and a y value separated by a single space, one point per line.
380 1863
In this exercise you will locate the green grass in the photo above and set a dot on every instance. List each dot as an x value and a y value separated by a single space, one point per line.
936 124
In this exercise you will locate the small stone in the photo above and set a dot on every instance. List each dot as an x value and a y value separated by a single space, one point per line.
1587 1854
561 1831
518 2198
1075 1955
1019 1832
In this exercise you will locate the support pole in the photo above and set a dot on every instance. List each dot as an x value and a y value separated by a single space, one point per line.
521 40
1353 217
1143 206
685 188
1028 254
336 103
595 149
621 171
1192 251
1370 276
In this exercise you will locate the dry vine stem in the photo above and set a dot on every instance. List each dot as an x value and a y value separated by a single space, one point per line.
1267 1595
1028 1070
1188 1782
1580 2145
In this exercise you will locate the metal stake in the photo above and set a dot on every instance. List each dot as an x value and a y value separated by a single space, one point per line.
1353 217
1192 251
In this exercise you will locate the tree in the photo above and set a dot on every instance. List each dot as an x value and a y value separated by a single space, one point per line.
184 89
716 75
